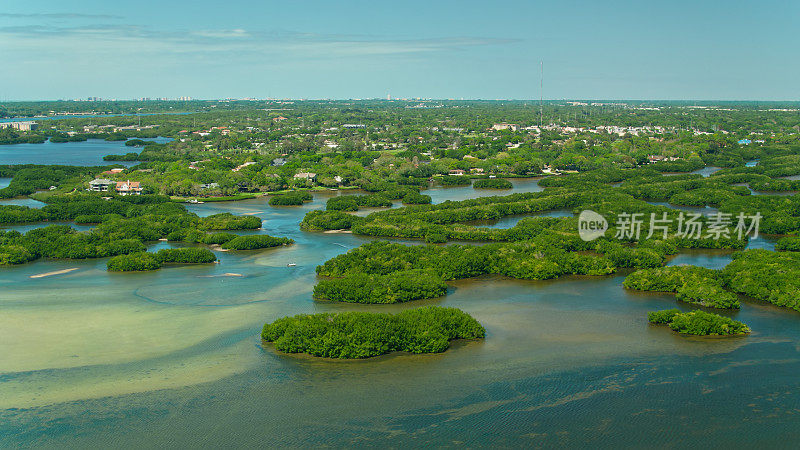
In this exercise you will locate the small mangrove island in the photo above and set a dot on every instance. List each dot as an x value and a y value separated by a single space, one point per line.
295 198
354 335
142 261
401 286
697 285
698 323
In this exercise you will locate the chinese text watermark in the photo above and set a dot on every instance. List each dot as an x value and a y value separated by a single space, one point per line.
718 225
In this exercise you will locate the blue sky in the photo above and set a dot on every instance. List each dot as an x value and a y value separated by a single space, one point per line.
442 49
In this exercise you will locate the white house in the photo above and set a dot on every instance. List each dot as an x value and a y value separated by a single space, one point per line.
505 126
128 188
308 176
100 185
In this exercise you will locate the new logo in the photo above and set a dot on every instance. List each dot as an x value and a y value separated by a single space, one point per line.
591 225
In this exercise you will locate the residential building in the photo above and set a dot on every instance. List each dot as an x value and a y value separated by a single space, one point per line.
505 126
456 172
21 126
128 188
100 185
657 158
550 170
277 162
308 176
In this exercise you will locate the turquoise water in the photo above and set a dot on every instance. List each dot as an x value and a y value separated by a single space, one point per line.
86 153
29 202
704 210
439 194
511 221
706 171
173 358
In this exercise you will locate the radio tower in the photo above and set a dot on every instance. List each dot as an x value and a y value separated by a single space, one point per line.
541 93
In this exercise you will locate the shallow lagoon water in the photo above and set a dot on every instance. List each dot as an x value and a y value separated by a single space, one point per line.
706 171
440 194
173 358
29 202
86 153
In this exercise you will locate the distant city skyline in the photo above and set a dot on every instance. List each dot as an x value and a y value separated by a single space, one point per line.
681 50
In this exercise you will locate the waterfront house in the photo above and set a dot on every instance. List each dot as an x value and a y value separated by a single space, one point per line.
100 185
21 126
658 158
550 170
456 172
128 188
308 176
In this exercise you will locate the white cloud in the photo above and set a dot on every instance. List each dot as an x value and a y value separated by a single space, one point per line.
129 40
58 16
223 34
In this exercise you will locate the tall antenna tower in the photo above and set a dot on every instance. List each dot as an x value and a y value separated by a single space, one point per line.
541 92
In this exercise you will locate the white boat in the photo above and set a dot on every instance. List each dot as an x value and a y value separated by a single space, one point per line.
291 264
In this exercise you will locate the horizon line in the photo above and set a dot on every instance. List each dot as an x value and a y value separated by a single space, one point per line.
400 99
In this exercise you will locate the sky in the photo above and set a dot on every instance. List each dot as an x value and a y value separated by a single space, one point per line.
674 50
